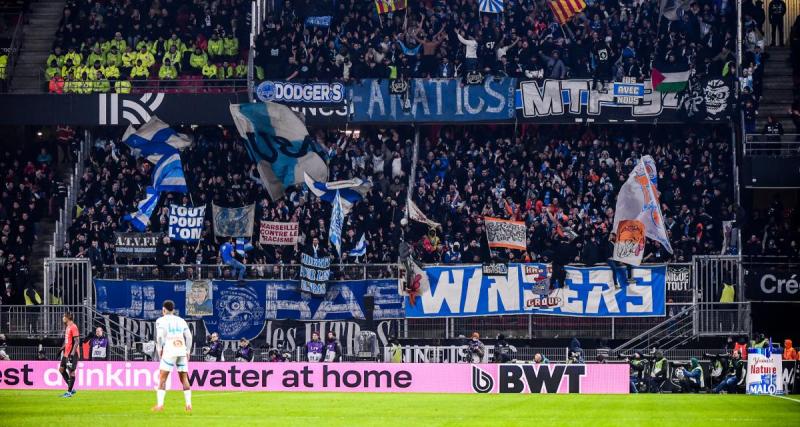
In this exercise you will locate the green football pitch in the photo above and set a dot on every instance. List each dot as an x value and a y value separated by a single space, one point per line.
123 408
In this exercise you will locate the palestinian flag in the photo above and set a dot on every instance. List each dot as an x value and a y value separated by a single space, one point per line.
670 79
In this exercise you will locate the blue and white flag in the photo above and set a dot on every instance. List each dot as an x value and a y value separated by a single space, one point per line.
168 175
319 21
243 245
155 139
350 191
337 223
141 219
491 6
361 247
278 142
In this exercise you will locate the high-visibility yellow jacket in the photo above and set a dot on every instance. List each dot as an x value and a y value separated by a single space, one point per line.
198 61
215 47
122 86
210 71
230 46
167 72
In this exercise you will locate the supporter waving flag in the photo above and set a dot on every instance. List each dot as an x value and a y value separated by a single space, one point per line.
361 247
564 10
155 139
278 142
491 6
141 219
168 175
638 214
386 6
349 191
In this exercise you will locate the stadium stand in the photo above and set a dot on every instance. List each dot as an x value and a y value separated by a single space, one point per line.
29 195
449 38
125 47
569 175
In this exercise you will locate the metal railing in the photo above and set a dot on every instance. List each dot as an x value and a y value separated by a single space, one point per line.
254 271
41 321
65 213
787 145
666 335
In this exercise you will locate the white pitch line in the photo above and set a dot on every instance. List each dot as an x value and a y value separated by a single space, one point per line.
787 398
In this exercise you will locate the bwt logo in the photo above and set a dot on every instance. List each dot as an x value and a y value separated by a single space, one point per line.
481 381
135 112
529 378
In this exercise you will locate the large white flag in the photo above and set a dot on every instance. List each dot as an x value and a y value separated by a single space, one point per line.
638 214
415 214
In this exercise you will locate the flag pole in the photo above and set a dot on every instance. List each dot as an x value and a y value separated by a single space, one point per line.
414 157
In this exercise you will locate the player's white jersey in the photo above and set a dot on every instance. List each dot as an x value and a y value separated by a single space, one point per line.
172 334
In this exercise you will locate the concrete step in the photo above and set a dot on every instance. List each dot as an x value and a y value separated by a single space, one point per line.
785 84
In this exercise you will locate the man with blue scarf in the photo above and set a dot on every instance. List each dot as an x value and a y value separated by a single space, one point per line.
693 379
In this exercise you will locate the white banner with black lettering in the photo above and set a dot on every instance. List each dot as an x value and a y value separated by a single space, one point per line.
186 223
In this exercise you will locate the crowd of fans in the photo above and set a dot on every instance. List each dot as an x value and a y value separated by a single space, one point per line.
28 195
103 46
446 38
774 231
553 178
110 45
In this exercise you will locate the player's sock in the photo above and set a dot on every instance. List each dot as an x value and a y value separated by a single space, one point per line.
160 397
65 375
71 383
187 396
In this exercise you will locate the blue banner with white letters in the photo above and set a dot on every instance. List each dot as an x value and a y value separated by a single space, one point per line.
432 100
241 311
461 291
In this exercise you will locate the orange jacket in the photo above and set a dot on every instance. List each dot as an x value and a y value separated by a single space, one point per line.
789 353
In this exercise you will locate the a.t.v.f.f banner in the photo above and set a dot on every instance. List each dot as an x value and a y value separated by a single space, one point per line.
241 311
433 101
334 377
462 291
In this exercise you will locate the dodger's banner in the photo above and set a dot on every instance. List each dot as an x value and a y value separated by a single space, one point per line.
332 377
186 223
464 291
434 100
241 311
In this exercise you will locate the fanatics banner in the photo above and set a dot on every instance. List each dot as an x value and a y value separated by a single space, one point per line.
136 245
337 377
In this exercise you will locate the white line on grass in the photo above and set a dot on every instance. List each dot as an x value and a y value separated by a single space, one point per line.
787 398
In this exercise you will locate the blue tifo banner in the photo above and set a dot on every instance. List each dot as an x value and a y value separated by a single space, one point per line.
464 291
241 311
433 100
314 274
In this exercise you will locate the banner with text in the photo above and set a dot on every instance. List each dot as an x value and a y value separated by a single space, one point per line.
186 223
238 311
338 377
562 101
279 233
462 291
314 274
432 100
136 245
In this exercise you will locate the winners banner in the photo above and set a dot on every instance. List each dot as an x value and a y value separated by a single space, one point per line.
279 233
332 377
465 291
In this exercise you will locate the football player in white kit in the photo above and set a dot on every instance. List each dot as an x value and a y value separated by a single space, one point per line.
174 343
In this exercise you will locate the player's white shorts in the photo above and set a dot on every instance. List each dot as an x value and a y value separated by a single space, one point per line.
180 363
